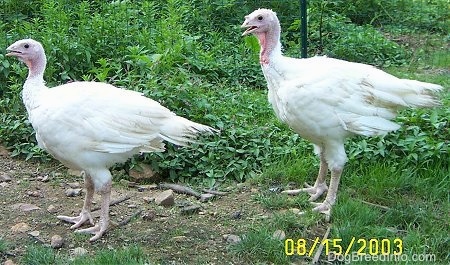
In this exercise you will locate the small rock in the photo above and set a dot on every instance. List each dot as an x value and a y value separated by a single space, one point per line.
132 206
4 184
72 192
44 178
26 207
206 197
279 234
57 241
295 210
236 215
142 172
9 262
34 233
73 172
34 193
74 185
190 209
165 198
179 238
149 216
52 208
148 199
20 227
79 251
5 178
232 239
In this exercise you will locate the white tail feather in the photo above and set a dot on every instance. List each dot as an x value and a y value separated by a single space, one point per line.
181 131
424 94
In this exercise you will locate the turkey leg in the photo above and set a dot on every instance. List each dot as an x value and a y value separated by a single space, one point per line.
85 214
319 186
100 228
330 200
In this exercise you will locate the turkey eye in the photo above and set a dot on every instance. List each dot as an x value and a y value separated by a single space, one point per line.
26 46
260 18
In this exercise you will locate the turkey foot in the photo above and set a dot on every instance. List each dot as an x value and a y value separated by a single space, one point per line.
319 186
77 220
98 230
315 191
323 207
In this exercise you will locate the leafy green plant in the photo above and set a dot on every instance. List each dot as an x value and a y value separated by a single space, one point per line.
192 59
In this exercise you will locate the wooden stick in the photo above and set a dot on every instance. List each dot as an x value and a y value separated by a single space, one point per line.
376 205
215 192
319 250
180 189
114 202
127 220
124 221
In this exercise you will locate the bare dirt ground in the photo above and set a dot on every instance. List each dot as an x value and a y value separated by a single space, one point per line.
167 235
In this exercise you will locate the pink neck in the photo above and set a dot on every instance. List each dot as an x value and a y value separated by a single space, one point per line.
269 42
36 67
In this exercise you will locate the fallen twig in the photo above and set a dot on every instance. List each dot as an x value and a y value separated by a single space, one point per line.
127 220
320 248
376 205
124 221
112 203
180 189
215 192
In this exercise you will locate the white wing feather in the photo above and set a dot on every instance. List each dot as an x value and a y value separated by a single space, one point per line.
100 117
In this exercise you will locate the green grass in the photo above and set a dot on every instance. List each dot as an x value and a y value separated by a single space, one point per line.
37 255
3 245
407 203
40 255
127 256
259 244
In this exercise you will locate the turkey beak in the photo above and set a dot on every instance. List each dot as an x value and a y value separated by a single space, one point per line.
248 27
11 52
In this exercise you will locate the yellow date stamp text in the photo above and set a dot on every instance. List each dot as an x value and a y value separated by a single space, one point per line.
362 246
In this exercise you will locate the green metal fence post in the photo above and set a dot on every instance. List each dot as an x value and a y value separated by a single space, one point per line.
303 29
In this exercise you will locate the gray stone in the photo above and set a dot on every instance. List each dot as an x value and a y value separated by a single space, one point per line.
52 208
57 241
78 251
165 198
5 178
279 234
72 192
232 239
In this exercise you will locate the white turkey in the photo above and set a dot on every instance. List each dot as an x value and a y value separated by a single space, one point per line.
326 100
90 126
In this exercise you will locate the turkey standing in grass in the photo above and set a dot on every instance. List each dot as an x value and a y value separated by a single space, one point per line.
326 100
90 126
